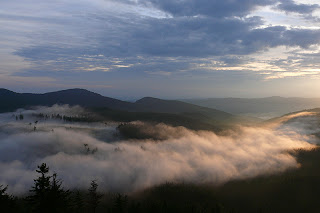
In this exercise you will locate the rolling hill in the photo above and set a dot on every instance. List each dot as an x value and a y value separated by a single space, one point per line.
11 100
258 107
151 109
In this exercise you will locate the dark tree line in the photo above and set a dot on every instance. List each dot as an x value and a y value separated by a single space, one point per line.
82 118
47 195
7 202
18 117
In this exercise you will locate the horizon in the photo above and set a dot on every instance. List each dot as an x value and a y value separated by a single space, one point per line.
167 49
133 99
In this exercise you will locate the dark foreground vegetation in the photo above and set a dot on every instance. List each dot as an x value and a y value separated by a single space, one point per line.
296 190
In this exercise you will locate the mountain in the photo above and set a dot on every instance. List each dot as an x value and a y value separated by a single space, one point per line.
297 116
258 107
11 101
149 104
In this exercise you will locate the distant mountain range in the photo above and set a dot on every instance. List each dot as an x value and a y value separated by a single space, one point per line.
144 109
12 101
258 107
214 113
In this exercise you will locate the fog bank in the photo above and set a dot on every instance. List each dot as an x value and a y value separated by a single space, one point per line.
129 165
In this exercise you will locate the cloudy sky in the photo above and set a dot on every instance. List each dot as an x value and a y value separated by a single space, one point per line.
162 48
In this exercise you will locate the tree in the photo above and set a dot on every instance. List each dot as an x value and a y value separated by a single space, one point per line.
39 199
94 196
78 202
58 196
3 191
7 202
120 203
47 193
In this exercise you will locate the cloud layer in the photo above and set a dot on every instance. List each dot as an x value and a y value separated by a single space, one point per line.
49 43
129 165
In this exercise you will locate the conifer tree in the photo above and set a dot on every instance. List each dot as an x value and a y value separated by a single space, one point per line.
7 202
78 202
120 203
58 196
47 194
94 196
39 198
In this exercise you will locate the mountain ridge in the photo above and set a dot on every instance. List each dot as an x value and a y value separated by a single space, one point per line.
11 101
260 107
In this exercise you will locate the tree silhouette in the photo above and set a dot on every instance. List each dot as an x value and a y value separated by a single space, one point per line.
3 191
120 203
94 196
78 202
39 199
58 196
7 202
47 194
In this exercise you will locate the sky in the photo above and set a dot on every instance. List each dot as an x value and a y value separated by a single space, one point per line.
162 48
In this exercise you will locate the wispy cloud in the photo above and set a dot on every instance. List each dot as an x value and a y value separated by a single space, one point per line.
62 38
124 165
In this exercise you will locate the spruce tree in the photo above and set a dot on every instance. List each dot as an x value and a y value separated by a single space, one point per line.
78 202
7 202
58 196
120 203
47 194
39 198
94 196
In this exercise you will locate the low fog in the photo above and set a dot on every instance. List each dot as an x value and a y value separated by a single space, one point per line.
81 152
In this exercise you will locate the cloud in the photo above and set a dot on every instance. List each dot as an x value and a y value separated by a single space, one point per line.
292 7
281 36
65 40
213 8
130 165
196 37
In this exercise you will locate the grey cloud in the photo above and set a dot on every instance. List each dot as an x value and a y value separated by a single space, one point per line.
277 36
72 42
291 6
213 8
184 36
231 60
299 61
